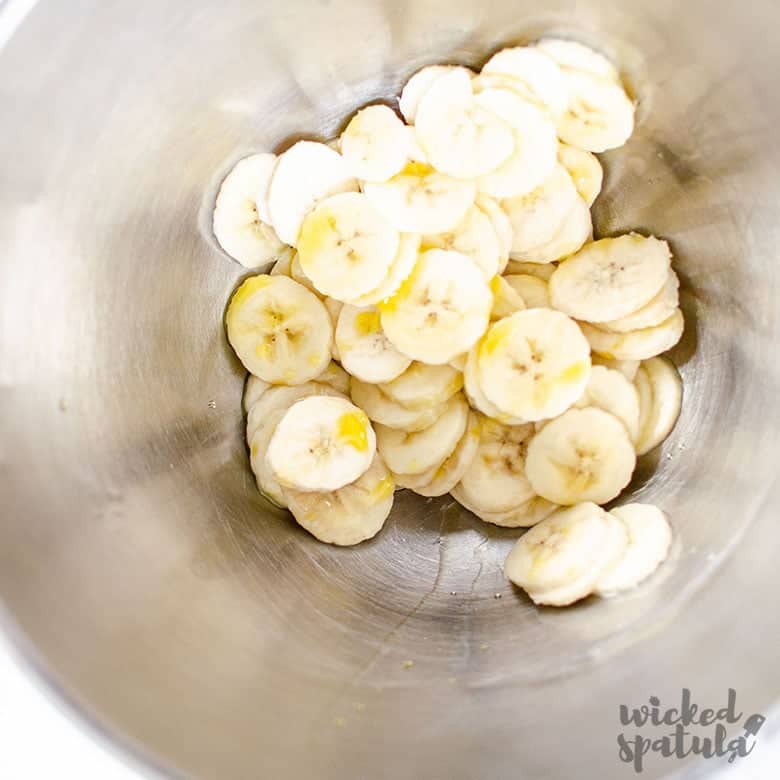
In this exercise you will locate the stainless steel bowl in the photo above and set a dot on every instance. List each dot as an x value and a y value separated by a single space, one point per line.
139 565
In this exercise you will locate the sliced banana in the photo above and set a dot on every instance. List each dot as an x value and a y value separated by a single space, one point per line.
420 199
321 443
585 171
364 349
458 135
266 166
576 56
476 396
418 85
649 541
575 231
639 344
414 453
506 300
534 364
440 310
238 227
610 391
422 385
501 225
253 390
375 144
626 367
280 331
336 377
583 455
660 308
297 274
611 278
391 414
524 516
349 515
400 268
531 289
661 400
306 173
543 272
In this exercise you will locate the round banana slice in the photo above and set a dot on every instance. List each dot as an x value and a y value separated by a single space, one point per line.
649 541
440 310
280 331
418 85
477 397
543 272
321 443
539 74
387 412
496 481
349 515
414 453
238 226
585 171
610 391
501 225
422 200
531 289
600 115
375 144
653 313
266 165
283 266
661 405
626 367
506 300
459 136
583 455
572 55
611 278
534 364
364 349
421 385
336 377
306 173
523 516
346 247
639 344
253 390
576 229
400 268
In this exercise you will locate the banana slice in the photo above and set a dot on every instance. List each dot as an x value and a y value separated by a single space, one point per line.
264 171
585 171
660 308
506 299
400 268
375 144
476 396
336 377
306 173
626 367
600 115
611 278
297 274
649 541
387 412
610 391
523 516
421 385
639 344
575 231
280 331
237 225
349 515
583 455
440 310
283 266
414 453
531 289
422 200
539 75
501 225
253 390
418 85
458 135
534 364
476 237
572 55
660 402
543 272
535 148
364 349
321 443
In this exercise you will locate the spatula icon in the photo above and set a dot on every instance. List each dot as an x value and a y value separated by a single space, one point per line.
752 726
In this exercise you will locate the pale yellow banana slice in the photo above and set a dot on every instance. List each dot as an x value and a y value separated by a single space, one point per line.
506 299
531 289
418 85
501 225
583 455
375 144
391 414
534 364
422 385
540 271
349 515
626 367
660 389
346 247
585 171
611 278
253 390
266 165
440 310
649 541
477 397
321 443
524 516
610 391
575 231
420 199
237 224
576 56
660 308
280 331
305 174
414 453
363 347
459 136
336 377
639 344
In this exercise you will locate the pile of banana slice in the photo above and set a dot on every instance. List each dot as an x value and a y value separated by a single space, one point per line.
439 318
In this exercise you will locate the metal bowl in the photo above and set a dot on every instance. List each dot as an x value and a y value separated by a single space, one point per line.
138 564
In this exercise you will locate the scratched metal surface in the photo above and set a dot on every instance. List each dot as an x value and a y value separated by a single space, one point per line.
138 565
